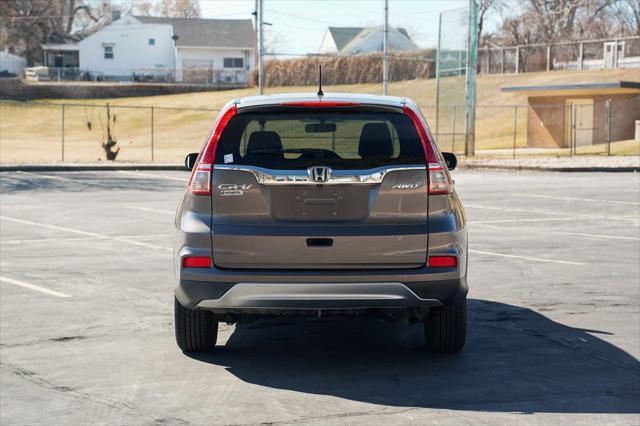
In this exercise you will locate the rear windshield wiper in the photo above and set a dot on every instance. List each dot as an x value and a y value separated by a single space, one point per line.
286 151
267 151
303 150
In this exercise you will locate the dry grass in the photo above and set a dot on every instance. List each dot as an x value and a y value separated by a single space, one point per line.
30 132
618 148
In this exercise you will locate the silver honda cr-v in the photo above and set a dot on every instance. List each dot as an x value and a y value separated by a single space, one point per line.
322 206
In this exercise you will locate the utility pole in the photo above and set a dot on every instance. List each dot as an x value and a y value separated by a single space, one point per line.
470 80
385 47
260 48
255 34
438 74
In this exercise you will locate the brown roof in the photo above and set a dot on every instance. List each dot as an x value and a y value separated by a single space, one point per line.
576 88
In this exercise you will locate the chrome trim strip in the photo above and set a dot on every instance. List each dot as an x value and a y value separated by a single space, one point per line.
317 295
301 177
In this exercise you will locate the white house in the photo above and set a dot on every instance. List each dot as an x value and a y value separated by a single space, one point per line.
359 40
335 38
11 64
144 48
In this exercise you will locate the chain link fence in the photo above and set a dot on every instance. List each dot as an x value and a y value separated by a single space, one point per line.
187 75
574 55
456 66
41 132
579 127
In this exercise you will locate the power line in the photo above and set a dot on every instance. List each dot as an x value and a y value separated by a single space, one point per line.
304 18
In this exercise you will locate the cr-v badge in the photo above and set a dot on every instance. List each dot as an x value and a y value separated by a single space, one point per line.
227 189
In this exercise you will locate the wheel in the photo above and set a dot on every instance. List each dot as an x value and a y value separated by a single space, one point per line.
445 328
196 331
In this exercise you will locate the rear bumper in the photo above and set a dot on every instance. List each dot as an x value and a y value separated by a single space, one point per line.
276 296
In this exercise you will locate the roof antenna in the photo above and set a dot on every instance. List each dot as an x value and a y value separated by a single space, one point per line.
320 92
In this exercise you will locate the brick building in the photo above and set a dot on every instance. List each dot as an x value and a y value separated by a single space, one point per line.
566 114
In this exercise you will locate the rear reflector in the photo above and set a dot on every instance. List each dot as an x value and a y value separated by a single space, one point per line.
196 262
319 104
443 261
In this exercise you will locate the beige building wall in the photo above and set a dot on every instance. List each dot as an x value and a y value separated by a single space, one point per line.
547 119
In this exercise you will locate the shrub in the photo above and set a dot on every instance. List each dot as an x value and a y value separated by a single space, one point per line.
347 69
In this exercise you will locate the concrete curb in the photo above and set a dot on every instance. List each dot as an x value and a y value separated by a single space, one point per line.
88 167
174 166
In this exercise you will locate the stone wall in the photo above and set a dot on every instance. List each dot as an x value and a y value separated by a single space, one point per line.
16 89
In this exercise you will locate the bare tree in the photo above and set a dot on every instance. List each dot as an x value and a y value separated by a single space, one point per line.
553 19
167 8
548 21
274 40
485 8
30 23
143 8
518 30
628 14
178 8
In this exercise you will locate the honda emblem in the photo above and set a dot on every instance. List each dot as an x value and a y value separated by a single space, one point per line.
319 174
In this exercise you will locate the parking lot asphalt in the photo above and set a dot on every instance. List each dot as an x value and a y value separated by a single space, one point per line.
86 316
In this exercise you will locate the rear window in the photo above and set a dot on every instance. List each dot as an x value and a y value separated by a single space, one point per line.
340 140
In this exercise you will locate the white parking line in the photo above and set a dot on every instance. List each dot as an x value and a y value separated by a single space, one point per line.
606 237
546 219
147 209
592 200
34 287
535 259
141 174
76 179
42 176
579 234
53 240
88 234
552 213
6 175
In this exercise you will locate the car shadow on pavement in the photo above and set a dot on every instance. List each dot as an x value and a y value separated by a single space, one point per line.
515 360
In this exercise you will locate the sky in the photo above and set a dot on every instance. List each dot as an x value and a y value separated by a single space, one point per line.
300 24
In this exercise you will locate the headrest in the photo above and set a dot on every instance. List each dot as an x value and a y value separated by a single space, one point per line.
375 141
264 140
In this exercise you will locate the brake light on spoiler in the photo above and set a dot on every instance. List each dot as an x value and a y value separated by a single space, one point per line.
319 104
439 178
200 181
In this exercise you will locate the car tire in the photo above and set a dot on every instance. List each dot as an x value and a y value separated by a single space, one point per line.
196 331
446 328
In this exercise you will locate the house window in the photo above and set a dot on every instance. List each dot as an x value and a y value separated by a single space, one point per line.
152 42
108 52
234 62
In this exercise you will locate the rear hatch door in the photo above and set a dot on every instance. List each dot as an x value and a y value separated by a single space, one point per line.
319 189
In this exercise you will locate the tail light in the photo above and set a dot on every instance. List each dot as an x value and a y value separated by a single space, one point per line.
200 181
439 178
